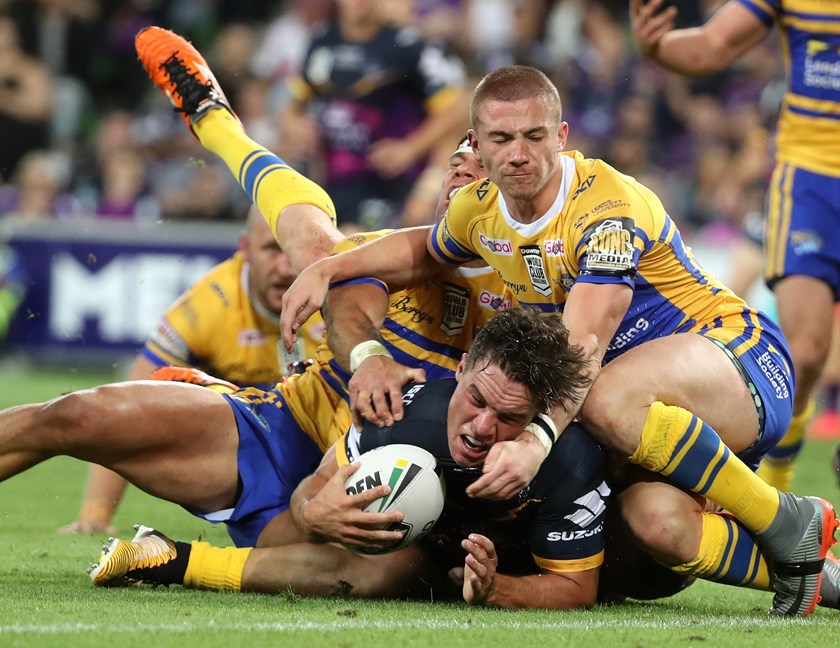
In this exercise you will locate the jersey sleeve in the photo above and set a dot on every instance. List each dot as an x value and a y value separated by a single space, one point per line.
182 337
450 238
765 10
616 231
567 534
352 242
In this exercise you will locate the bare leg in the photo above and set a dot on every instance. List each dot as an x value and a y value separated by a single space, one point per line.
175 441
806 311
328 570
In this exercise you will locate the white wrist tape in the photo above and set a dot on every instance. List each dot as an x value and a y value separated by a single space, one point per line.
365 350
544 429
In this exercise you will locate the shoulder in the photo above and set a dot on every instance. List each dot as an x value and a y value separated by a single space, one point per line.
474 199
576 455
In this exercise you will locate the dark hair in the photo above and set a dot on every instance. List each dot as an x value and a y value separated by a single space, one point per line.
514 83
532 348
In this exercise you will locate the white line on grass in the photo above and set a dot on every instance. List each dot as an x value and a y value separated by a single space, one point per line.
79 628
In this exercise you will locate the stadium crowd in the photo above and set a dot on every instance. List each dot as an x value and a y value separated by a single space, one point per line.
84 136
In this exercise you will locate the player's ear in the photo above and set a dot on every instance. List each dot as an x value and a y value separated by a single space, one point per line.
474 144
461 365
243 246
562 136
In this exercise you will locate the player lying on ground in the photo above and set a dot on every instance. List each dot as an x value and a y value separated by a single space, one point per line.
514 561
543 548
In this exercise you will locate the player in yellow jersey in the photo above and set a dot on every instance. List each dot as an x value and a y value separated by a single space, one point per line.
802 240
685 376
227 325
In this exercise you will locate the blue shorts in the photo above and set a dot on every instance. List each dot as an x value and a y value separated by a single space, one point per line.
767 369
803 226
274 456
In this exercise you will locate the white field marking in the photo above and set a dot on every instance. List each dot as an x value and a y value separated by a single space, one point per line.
694 623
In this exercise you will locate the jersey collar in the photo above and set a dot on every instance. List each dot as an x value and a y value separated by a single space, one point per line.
527 229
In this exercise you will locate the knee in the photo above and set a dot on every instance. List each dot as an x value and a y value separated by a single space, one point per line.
89 410
808 353
663 529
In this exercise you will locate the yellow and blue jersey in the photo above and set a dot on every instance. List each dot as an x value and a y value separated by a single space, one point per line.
428 325
809 123
216 326
604 227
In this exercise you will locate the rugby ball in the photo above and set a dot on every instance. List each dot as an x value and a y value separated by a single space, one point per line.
416 490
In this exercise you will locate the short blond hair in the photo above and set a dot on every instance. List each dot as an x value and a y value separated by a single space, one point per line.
514 83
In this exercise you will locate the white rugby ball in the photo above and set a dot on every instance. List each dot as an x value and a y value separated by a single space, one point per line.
416 490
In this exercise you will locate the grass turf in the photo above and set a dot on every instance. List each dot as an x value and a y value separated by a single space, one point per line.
46 599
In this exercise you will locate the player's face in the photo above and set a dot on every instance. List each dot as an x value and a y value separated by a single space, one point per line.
486 407
270 272
463 169
517 142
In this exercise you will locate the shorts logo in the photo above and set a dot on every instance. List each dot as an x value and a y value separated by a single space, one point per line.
532 254
553 247
493 302
806 242
496 246
456 303
775 374
610 246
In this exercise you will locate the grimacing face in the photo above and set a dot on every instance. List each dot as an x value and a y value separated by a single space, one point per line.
517 142
486 407
463 169
270 272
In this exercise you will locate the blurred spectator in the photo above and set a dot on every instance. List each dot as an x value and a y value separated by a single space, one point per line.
26 100
123 194
38 188
61 33
380 100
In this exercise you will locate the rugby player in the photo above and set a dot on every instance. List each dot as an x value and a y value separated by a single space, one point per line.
688 381
514 557
226 325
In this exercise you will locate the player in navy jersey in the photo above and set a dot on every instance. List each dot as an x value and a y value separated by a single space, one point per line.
381 100
541 548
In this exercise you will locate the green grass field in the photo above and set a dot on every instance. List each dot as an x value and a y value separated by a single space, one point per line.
47 600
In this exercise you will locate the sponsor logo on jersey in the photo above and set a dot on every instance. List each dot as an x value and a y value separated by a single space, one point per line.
583 186
408 396
775 374
532 254
494 302
576 534
609 204
515 288
251 337
624 338
496 246
609 246
418 315
168 339
456 303
553 247
590 508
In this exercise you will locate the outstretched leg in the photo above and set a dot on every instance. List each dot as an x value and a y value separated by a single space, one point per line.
175 441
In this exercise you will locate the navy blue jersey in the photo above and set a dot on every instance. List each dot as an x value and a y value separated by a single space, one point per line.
364 92
556 522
